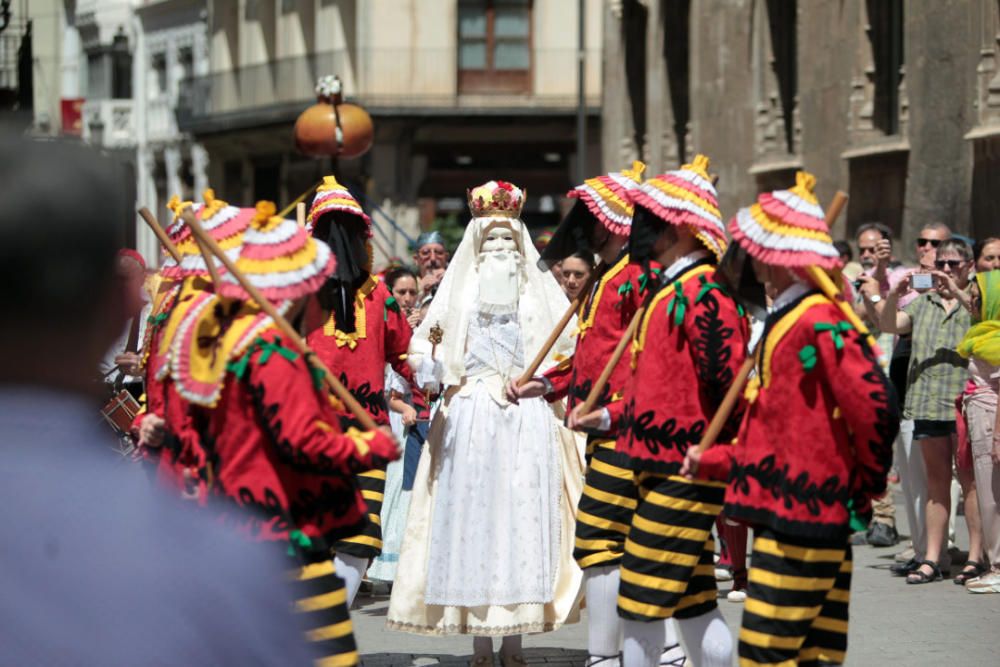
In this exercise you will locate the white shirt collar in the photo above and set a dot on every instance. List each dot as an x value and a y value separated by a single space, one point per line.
682 263
791 293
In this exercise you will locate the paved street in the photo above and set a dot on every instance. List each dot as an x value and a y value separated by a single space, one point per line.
891 624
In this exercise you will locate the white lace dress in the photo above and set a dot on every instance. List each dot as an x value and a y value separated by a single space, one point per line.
488 545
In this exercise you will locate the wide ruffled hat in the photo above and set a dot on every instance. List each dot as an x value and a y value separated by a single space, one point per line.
685 196
224 223
606 197
279 258
332 196
787 228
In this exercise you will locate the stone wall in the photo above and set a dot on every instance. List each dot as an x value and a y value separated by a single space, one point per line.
900 109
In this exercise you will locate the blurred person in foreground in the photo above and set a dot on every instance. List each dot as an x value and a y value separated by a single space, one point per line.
114 573
937 321
981 346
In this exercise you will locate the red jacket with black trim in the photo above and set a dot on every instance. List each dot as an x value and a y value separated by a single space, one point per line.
816 440
686 353
279 460
602 321
180 463
382 335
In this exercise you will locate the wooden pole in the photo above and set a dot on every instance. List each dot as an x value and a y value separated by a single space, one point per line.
574 305
609 368
147 216
188 216
300 214
338 389
295 202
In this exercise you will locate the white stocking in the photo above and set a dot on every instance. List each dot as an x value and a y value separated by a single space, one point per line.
708 640
351 569
603 625
643 643
674 656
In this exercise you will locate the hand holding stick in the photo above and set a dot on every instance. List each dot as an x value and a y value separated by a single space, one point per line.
574 306
168 245
338 389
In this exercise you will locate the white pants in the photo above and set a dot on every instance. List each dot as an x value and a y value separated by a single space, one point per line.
913 479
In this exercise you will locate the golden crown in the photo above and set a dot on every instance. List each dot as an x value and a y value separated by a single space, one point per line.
496 199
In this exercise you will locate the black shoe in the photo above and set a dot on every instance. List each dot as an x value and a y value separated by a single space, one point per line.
882 535
903 569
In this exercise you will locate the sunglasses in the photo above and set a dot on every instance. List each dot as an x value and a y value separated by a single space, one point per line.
862 249
950 263
921 242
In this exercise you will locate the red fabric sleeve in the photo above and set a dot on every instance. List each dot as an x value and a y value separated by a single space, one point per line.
304 424
716 463
560 376
867 404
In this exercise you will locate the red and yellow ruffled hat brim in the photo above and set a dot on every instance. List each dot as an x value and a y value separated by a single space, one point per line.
332 196
787 228
607 197
281 260
226 226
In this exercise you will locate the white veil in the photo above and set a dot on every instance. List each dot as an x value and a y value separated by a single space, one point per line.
540 306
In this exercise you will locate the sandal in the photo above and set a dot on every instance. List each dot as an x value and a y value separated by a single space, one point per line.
918 576
593 660
672 662
979 568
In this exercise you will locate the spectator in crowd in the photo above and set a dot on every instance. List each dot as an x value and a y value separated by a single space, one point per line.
987 254
846 253
932 235
121 366
937 322
981 346
576 271
431 258
402 283
112 573
875 253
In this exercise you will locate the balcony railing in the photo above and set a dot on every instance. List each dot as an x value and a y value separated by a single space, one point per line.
409 79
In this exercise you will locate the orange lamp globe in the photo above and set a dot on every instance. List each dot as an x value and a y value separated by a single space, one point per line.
332 126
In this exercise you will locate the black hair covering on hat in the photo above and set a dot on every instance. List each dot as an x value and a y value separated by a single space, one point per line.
646 229
736 276
574 234
347 236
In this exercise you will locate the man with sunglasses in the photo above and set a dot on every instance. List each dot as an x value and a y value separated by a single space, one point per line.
937 321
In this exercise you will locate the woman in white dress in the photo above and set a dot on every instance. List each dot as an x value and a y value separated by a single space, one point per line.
488 544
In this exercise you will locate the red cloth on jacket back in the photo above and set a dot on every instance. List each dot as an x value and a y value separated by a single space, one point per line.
681 371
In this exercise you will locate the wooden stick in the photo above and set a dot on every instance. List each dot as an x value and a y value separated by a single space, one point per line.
338 389
595 392
188 216
147 216
300 214
728 403
574 305
295 202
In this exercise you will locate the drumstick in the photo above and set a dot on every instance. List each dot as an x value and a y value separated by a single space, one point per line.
147 216
338 389
554 336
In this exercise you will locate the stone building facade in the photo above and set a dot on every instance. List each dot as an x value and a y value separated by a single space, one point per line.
460 92
896 102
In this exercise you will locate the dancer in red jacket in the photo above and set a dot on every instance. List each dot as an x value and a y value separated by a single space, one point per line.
814 447
694 334
599 223
356 327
